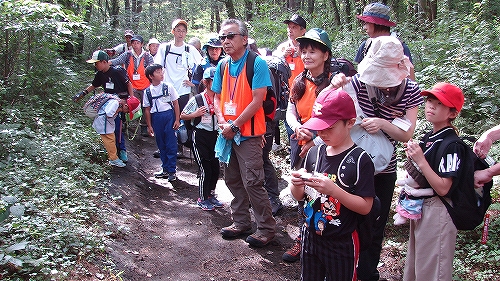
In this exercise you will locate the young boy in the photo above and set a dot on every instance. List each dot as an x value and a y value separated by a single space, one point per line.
338 191
162 117
104 124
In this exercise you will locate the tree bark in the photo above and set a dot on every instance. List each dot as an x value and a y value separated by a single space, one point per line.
310 6
336 12
248 10
230 9
114 10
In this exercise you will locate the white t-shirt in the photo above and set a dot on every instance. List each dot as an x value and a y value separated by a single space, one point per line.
159 103
177 64
104 122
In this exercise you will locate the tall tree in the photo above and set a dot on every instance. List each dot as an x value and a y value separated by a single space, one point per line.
114 10
231 13
248 10
336 12
310 6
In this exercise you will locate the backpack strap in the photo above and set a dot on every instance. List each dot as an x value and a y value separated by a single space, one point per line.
199 102
167 51
312 158
151 98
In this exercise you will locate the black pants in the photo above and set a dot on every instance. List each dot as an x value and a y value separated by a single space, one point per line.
271 180
204 153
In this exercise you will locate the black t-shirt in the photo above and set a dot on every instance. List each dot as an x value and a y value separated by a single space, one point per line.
114 81
325 215
448 165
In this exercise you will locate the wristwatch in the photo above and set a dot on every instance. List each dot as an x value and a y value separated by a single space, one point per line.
234 128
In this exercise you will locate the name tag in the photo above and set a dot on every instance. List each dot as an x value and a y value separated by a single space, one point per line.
230 108
136 76
292 66
206 119
110 85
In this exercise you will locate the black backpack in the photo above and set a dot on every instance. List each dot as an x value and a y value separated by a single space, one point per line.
280 73
469 204
270 102
338 65
366 223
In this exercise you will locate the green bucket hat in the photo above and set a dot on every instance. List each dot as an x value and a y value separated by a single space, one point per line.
318 35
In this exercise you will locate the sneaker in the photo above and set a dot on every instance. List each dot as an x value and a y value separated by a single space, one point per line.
144 131
276 205
293 254
156 154
205 205
117 163
258 239
234 231
216 203
123 156
161 175
172 177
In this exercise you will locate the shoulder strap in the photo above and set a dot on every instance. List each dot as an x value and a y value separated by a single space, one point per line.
311 161
167 50
199 102
186 48
249 67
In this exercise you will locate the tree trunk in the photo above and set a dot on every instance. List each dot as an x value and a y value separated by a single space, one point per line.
179 10
310 6
336 12
114 10
230 9
128 12
248 10
348 13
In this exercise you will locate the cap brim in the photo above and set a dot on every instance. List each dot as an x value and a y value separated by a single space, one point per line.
317 124
439 95
375 20
312 39
92 61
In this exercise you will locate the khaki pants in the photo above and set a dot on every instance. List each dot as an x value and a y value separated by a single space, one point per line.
432 244
110 145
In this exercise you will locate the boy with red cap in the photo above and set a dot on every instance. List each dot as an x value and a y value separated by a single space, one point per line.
335 194
431 246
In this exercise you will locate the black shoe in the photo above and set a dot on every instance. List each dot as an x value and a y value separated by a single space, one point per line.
276 205
161 175
156 154
144 131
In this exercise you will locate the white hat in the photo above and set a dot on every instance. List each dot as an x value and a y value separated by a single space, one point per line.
153 41
385 64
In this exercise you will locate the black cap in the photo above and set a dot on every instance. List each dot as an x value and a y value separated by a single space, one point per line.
137 38
297 20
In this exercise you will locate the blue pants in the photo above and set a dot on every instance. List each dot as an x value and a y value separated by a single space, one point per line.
119 134
166 141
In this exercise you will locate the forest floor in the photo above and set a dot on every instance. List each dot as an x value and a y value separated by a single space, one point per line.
157 232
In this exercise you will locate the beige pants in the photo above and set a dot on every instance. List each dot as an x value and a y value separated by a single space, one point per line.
432 244
110 145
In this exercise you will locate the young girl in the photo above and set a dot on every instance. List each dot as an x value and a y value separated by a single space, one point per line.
432 238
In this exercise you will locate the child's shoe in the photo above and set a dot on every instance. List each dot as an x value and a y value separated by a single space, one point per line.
123 156
205 205
172 177
216 203
161 175
117 163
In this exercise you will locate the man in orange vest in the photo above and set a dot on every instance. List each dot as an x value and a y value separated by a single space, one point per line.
240 114
135 62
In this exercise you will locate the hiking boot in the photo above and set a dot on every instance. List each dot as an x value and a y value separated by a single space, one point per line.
144 131
293 254
258 239
205 205
123 156
276 205
216 203
234 231
172 177
161 175
156 154
117 163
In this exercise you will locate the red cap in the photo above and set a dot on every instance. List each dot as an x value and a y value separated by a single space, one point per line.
448 94
330 106
134 107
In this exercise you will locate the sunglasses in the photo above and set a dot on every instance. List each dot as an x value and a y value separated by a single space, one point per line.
230 36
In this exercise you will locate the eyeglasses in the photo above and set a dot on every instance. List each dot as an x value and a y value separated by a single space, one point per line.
230 36
180 30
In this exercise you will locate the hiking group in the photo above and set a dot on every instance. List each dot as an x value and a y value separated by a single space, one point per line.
225 101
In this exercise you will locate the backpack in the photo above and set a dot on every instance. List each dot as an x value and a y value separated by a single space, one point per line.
167 51
150 97
469 204
270 102
92 106
338 65
199 102
366 223
280 73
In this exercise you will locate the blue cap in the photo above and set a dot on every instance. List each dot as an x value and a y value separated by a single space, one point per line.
209 73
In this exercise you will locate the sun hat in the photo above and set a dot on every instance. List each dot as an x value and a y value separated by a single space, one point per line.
385 64
330 106
128 32
98 56
448 94
176 22
153 41
134 108
297 20
318 35
137 38
376 13
209 73
212 42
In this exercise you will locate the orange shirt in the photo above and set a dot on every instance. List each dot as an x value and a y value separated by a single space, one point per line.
238 91
298 66
143 82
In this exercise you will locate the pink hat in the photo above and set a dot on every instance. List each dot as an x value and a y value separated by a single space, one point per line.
134 108
448 94
377 13
330 106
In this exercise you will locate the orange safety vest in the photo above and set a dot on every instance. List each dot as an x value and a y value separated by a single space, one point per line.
143 82
239 90
305 104
299 67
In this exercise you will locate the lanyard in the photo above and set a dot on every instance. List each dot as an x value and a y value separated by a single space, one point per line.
210 104
231 94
